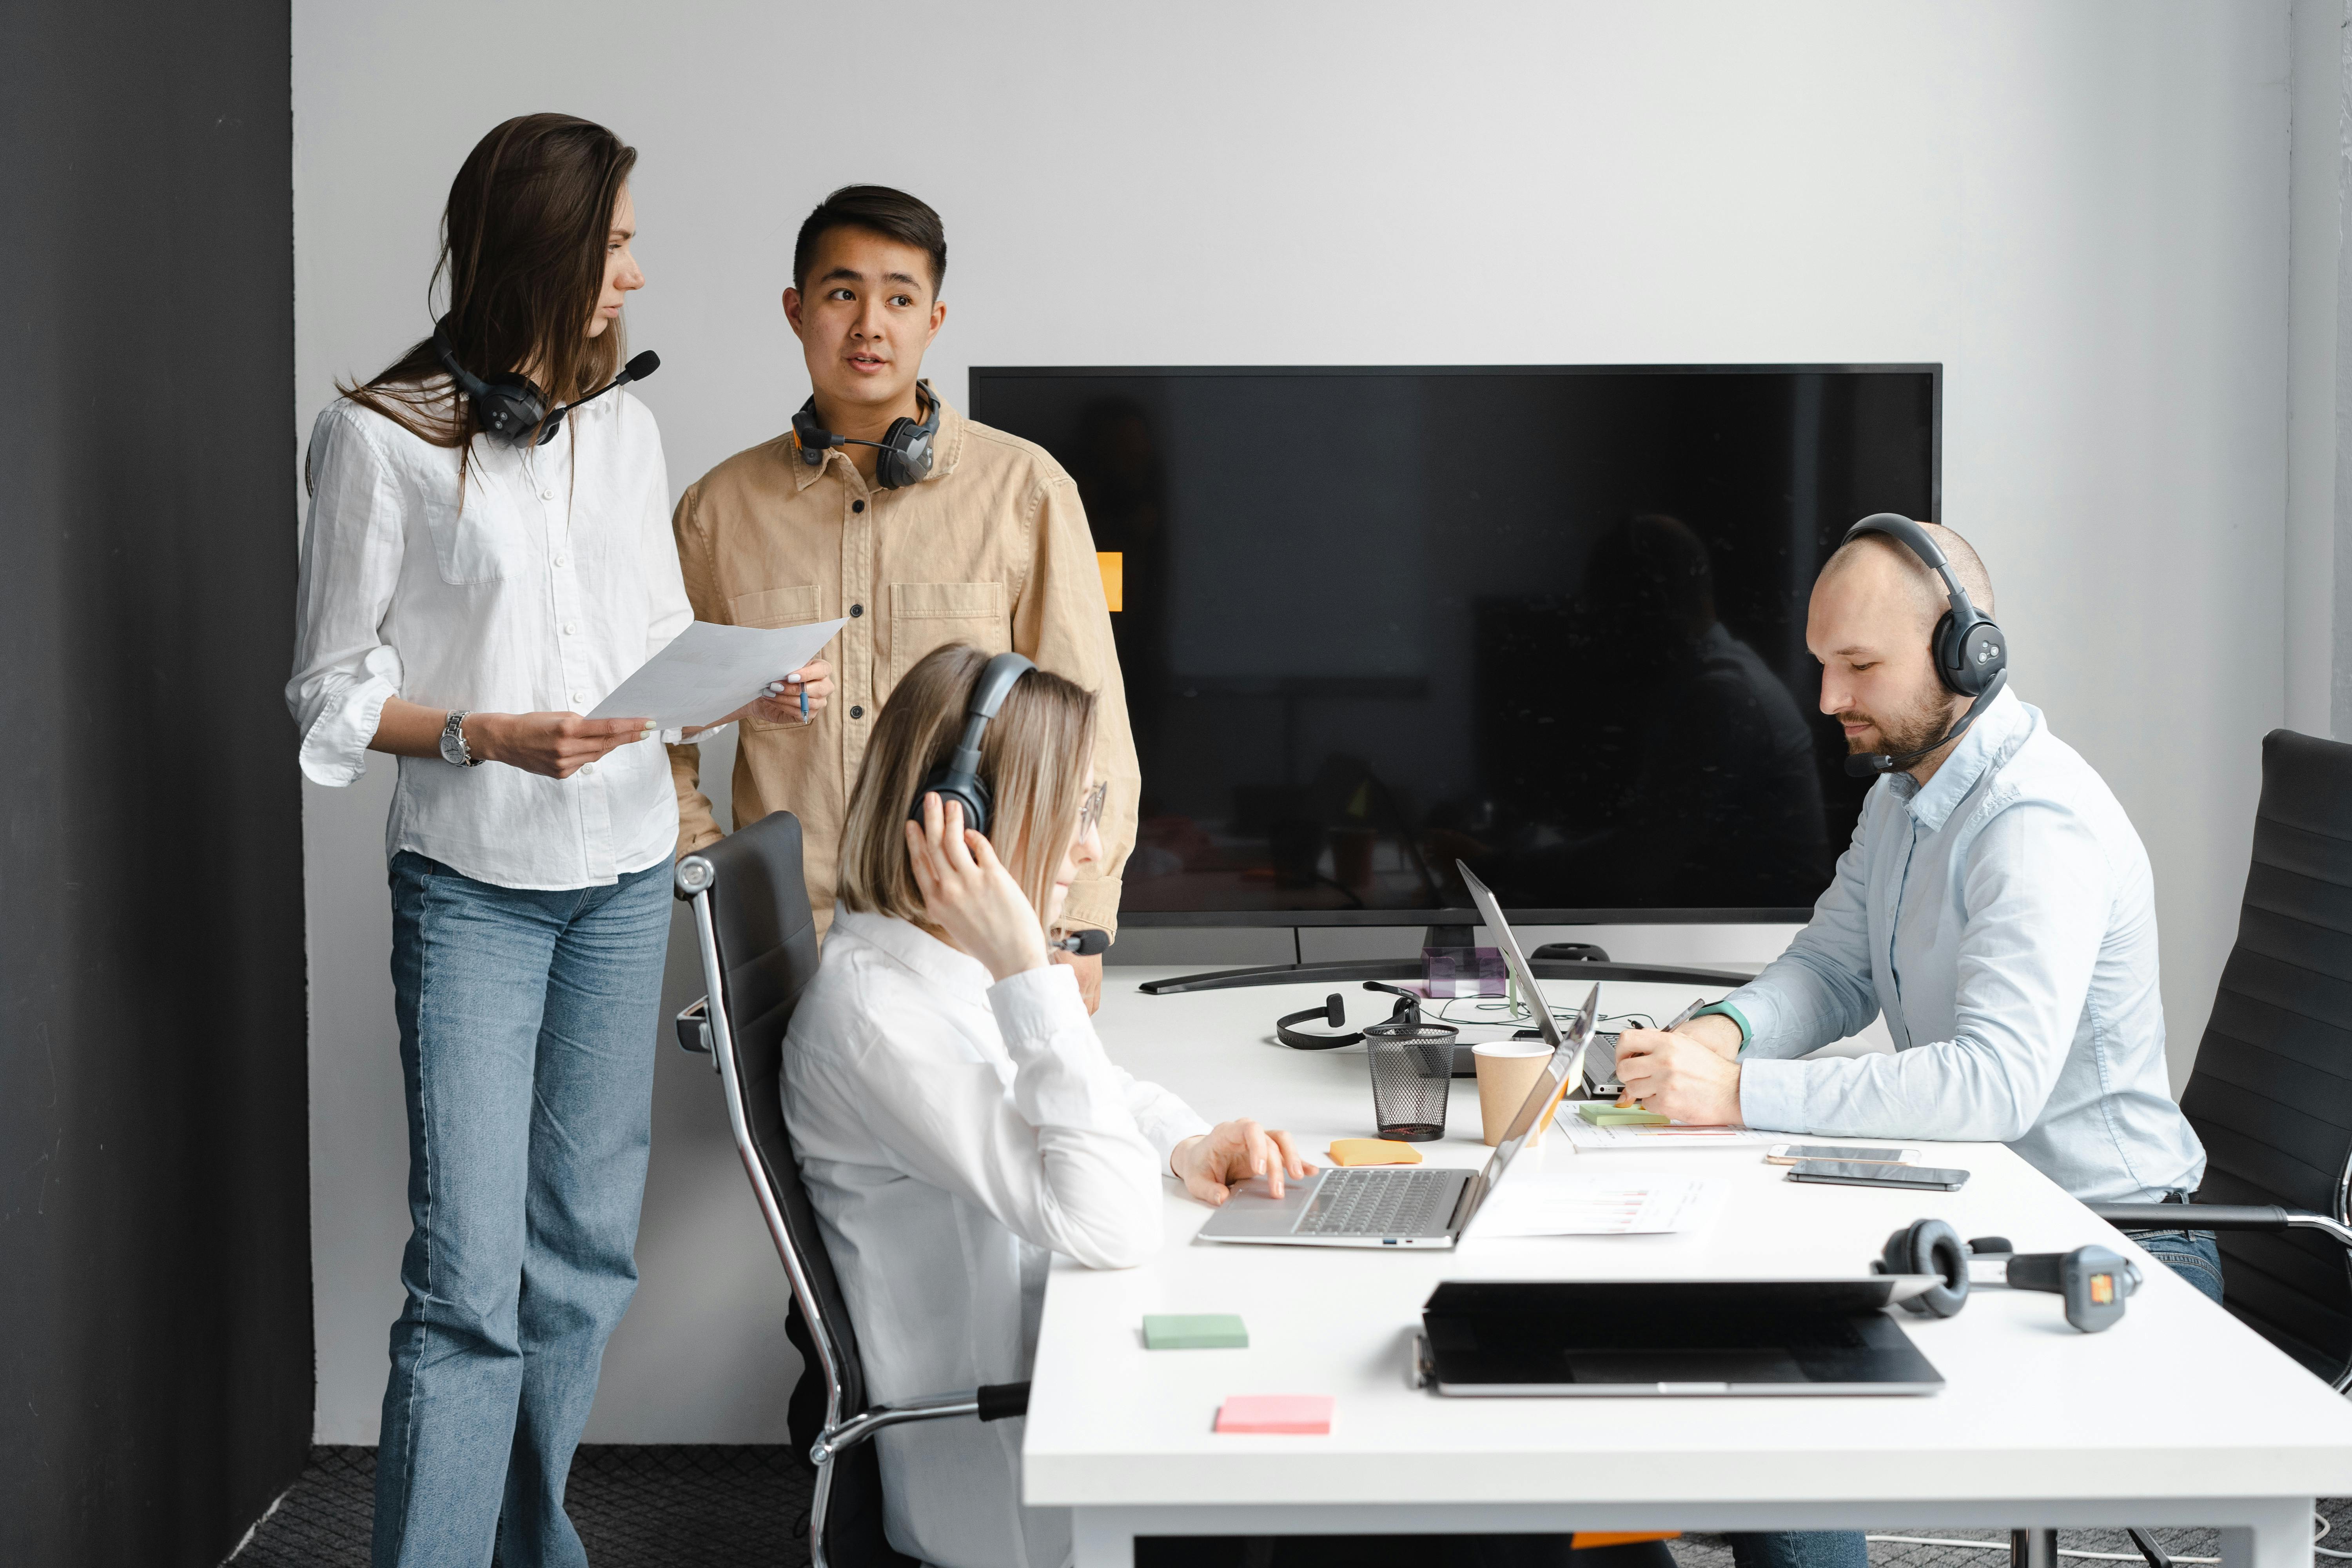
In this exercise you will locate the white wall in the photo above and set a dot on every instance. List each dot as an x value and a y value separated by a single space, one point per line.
2081 209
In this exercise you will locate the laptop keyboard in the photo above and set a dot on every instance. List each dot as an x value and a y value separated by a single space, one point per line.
1379 1203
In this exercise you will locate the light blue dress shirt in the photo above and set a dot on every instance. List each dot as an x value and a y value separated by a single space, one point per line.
2004 919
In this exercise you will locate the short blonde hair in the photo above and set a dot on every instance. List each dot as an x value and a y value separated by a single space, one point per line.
1033 759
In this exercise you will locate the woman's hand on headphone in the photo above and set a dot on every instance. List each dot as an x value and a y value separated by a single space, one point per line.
970 895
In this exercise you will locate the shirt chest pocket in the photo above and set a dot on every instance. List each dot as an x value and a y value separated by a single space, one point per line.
927 615
794 606
479 543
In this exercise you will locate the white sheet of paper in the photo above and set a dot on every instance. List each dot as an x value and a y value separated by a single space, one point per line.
1586 1139
1573 1203
708 670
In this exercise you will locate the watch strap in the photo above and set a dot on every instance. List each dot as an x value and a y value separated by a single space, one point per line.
1726 1010
454 750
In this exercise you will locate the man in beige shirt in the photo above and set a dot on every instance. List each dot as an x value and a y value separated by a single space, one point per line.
989 546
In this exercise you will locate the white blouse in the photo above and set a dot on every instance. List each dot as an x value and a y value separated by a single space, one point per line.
954 1133
552 582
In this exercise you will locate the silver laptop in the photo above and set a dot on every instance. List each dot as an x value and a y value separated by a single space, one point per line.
1410 1205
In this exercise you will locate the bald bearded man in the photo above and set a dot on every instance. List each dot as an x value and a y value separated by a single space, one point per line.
1995 906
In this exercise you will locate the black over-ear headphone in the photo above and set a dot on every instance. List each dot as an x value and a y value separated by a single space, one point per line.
1334 1011
1969 652
906 447
510 407
959 778
2094 1281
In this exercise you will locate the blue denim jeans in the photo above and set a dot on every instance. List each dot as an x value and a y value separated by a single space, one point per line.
2191 1254
527 1043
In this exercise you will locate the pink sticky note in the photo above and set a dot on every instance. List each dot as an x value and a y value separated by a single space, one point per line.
1308 1415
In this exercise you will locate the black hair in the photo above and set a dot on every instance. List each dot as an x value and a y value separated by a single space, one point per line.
893 215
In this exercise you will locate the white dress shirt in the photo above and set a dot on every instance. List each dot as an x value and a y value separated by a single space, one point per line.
954 1131
550 584
2002 918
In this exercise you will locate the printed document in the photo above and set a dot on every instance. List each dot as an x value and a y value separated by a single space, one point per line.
708 671
1572 1202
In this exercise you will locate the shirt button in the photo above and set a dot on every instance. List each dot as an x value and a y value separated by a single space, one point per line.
559 560
571 628
856 611
547 493
579 697
856 712
587 767
857 506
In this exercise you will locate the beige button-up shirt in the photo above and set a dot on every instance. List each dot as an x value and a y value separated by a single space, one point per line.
991 549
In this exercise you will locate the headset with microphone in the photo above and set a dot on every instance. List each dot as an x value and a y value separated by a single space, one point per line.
510 407
1334 1011
906 447
2094 1281
1969 652
958 778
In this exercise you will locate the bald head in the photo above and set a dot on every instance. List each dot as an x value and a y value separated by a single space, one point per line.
1893 563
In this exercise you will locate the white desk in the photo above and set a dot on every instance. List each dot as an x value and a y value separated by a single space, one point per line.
2178 1416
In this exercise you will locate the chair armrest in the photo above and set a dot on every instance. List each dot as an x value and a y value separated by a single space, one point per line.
990 1402
2219 1216
1001 1401
694 1028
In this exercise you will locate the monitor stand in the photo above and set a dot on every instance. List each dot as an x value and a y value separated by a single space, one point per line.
1553 961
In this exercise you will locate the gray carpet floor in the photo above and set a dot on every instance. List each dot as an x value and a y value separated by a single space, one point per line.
687 1506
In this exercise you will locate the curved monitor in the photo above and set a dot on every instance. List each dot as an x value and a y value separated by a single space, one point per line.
1548 621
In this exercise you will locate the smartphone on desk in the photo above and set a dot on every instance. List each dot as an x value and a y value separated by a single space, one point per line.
1877 1173
1789 1153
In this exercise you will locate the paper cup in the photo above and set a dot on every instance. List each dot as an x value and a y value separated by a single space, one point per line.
1507 1071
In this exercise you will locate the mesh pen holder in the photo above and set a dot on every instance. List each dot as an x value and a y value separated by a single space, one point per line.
1412 1067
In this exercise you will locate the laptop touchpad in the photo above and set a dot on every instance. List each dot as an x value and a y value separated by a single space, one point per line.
1651 1366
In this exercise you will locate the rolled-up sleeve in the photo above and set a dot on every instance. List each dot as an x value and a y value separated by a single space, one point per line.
2037 890
343 670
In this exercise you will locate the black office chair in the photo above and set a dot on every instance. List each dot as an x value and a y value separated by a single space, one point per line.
2271 1092
758 939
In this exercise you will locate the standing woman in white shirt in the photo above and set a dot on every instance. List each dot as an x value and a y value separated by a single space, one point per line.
465 595
957 1119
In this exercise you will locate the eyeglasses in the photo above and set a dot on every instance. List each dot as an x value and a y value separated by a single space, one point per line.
1091 810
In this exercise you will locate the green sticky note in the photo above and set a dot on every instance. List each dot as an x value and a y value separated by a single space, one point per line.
1194 1332
1601 1113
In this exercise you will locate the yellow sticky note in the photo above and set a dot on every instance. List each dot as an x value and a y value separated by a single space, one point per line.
1373 1152
1112 565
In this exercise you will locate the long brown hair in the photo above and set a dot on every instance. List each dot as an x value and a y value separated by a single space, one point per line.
522 249
1034 760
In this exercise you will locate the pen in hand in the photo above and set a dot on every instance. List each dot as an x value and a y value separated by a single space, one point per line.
1684 1016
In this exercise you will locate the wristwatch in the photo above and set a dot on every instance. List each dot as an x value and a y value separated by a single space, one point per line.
452 742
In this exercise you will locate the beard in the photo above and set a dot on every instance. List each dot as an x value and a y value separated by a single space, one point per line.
1914 728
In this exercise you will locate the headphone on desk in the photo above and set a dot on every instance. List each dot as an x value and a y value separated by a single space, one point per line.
958 778
510 407
1970 651
1334 1011
906 447
2096 1281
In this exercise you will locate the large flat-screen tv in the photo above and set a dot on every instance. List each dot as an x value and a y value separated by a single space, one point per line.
1545 620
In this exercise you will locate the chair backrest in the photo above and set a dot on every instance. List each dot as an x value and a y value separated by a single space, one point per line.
759 954
2272 1093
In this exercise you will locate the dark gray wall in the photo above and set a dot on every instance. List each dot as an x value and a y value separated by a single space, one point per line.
156 1363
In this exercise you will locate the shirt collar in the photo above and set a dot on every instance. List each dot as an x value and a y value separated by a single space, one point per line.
917 949
1990 742
947 447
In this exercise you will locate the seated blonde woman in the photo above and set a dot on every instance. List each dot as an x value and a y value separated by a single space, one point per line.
956 1117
